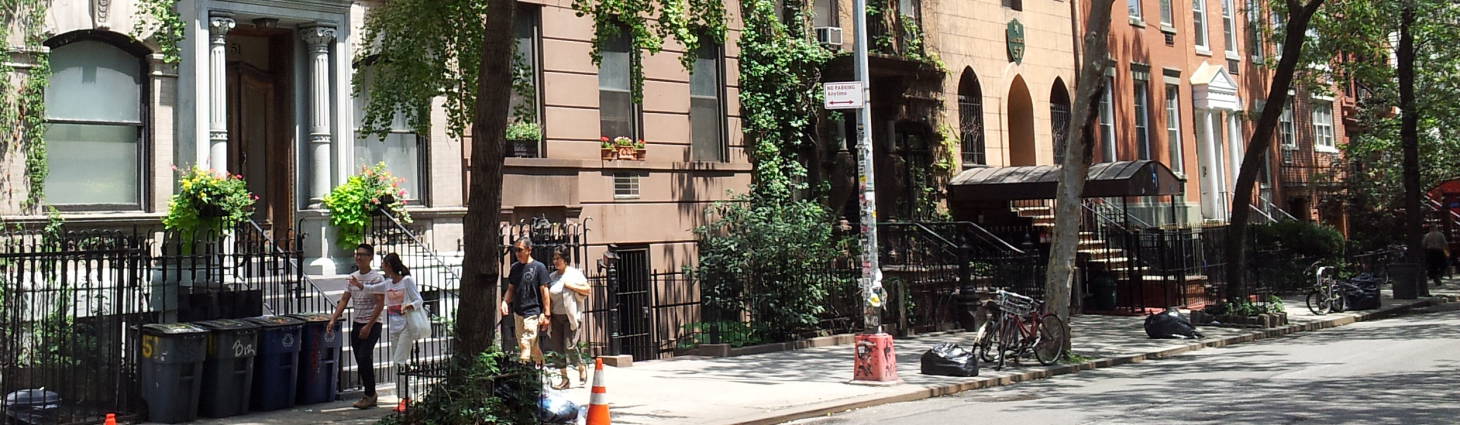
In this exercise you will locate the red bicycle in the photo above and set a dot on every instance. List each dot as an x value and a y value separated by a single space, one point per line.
1019 326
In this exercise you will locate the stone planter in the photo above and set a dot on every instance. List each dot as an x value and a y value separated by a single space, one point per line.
640 154
522 148
625 152
609 154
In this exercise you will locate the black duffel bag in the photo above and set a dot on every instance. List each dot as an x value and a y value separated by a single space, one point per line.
1170 324
949 359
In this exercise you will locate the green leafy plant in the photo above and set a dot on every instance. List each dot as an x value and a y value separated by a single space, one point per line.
208 201
162 20
691 22
758 260
736 334
352 204
605 143
493 389
524 131
22 100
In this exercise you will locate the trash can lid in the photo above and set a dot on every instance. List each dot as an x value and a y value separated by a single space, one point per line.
312 317
227 325
172 329
31 397
274 321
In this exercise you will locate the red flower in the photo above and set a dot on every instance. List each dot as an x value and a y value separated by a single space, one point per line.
604 138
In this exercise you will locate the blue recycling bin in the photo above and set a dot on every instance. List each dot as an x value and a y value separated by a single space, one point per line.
276 366
228 370
319 360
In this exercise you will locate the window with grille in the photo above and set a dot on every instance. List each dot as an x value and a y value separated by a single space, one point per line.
625 185
1059 117
970 119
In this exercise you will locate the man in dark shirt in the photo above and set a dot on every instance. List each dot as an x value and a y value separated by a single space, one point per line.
528 301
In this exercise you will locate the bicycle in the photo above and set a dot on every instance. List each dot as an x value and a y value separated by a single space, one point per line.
1327 294
1019 327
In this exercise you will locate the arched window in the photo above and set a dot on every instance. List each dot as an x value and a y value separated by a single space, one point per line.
970 119
96 122
1059 118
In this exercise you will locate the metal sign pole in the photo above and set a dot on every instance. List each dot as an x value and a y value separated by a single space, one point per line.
875 360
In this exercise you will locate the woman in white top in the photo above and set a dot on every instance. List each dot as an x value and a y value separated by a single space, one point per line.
569 291
401 296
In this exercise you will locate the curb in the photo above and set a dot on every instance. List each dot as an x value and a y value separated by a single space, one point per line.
1051 371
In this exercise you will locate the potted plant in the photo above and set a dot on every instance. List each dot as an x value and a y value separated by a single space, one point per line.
607 149
353 204
640 150
208 203
625 147
523 139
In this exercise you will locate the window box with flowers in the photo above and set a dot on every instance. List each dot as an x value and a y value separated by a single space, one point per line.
352 205
622 148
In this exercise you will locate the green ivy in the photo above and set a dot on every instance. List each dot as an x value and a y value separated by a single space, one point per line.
780 97
687 21
165 25
23 107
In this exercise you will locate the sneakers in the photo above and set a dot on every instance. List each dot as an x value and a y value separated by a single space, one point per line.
365 402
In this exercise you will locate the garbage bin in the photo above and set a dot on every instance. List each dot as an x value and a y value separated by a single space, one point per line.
319 360
276 367
31 407
172 370
228 371
1408 279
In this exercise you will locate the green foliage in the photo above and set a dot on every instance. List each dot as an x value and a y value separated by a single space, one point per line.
687 21
494 389
352 204
23 107
524 91
762 260
412 64
1296 238
780 95
737 334
524 131
208 201
1074 358
164 23
1247 308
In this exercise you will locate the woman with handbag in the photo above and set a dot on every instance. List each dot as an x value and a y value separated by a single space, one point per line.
405 314
569 291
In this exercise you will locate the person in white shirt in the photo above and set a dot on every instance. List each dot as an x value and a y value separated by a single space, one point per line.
366 330
569 290
1436 253
401 297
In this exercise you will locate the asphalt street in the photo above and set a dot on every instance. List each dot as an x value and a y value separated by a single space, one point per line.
1403 370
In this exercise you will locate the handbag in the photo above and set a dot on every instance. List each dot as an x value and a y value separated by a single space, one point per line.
417 324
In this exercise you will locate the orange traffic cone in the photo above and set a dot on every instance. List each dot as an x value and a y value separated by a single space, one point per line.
111 419
598 403
401 407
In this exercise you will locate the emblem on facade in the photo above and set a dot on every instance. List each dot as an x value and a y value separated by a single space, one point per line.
1015 34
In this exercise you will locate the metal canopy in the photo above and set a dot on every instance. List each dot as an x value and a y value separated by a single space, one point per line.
1109 179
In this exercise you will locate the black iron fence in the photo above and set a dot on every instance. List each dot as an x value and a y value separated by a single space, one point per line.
69 306
935 270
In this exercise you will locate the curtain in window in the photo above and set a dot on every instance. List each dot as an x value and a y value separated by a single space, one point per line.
400 149
707 117
95 125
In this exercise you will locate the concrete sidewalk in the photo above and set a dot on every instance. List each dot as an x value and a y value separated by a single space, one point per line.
784 386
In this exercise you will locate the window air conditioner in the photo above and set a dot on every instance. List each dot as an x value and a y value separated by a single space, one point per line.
829 36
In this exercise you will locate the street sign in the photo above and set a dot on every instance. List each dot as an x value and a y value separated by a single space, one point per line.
845 95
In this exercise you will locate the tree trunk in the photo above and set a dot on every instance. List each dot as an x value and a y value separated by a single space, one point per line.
1261 142
481 264
1409 136
1076 164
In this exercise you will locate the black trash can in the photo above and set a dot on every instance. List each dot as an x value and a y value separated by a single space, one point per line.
228 371
276 367
1103 292
32 407
172 370
319 360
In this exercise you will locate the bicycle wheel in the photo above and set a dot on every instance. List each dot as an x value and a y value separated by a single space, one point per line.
1049 343
986 341
1336 301
1317 303
1009 344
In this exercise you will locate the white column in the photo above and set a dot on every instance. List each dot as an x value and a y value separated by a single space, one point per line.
1210 172
321 139
218 27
